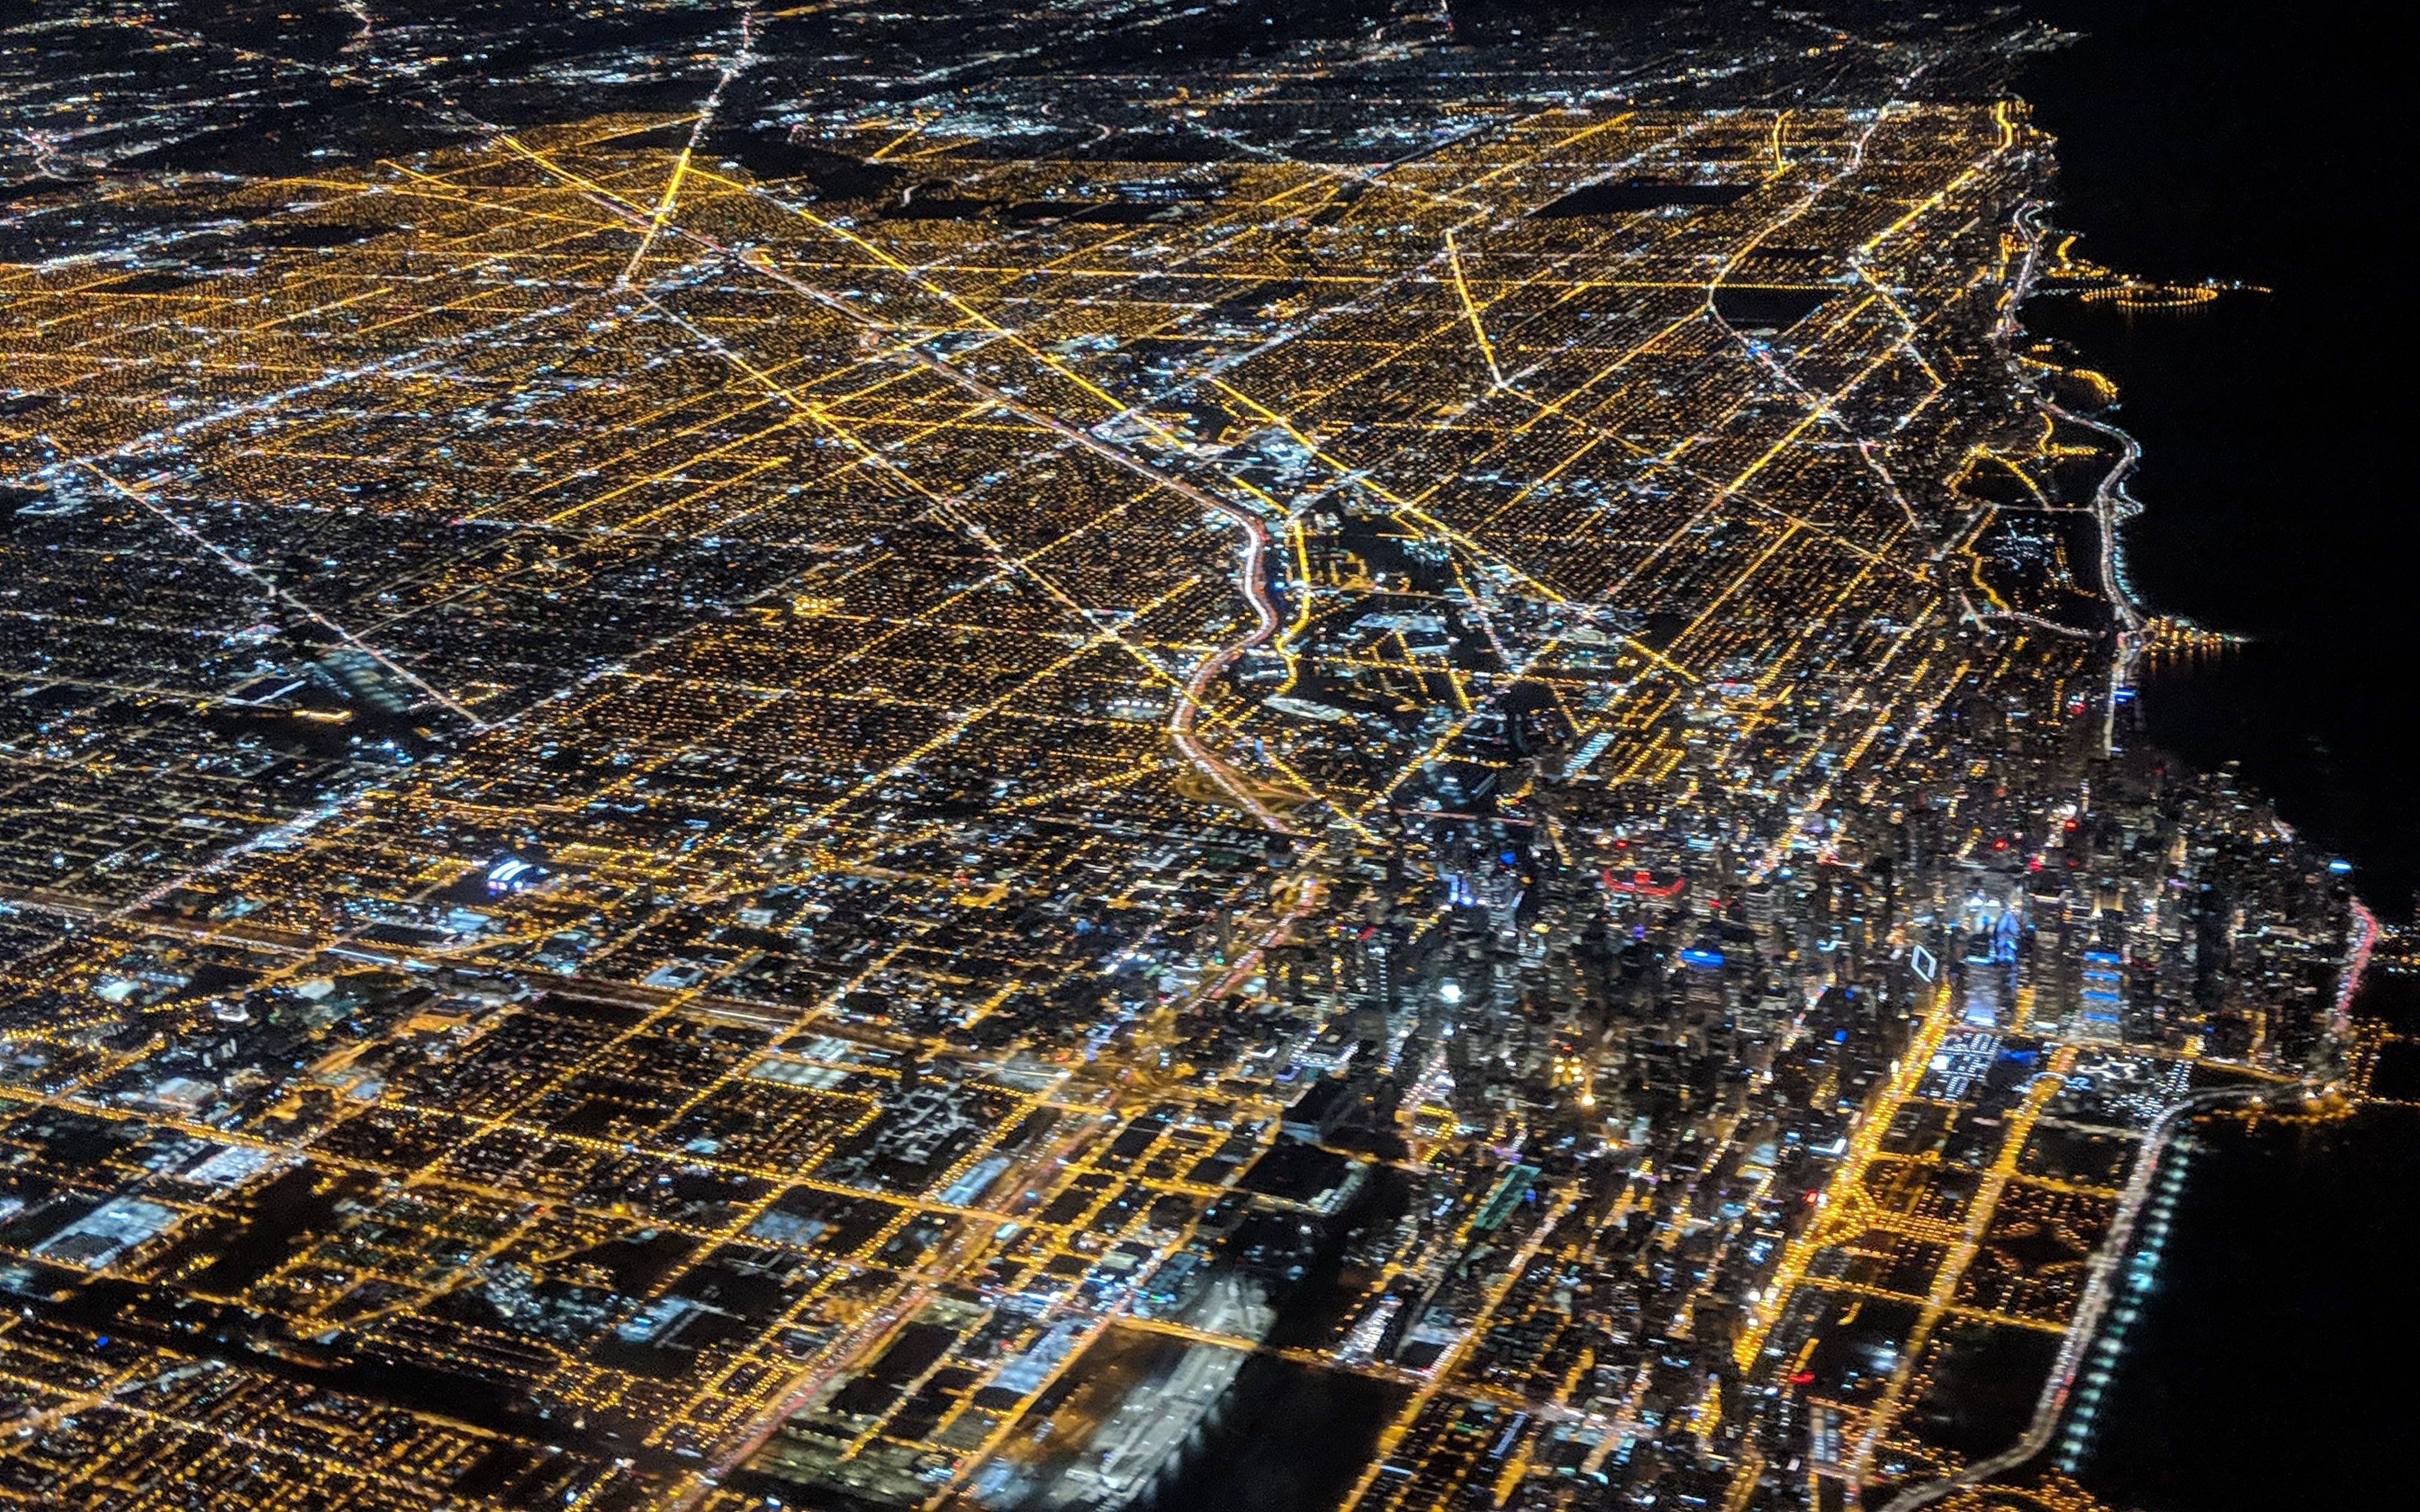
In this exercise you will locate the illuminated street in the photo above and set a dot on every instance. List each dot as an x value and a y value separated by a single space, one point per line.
848 759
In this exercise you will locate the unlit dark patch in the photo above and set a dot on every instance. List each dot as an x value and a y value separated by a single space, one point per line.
1638 195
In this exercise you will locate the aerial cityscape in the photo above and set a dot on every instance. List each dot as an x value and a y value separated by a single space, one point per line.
999 756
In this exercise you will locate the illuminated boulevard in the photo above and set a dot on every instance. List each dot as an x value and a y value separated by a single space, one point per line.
1088 756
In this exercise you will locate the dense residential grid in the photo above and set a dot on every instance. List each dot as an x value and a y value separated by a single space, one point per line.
1033 756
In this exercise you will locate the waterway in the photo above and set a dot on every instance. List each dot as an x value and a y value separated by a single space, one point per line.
2260 146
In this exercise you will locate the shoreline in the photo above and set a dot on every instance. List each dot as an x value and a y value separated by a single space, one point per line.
2050 1407
2112 507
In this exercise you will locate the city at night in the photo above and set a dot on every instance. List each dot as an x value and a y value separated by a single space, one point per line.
1130 756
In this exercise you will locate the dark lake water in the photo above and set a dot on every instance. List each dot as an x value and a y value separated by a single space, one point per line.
2279 484
2270 1368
